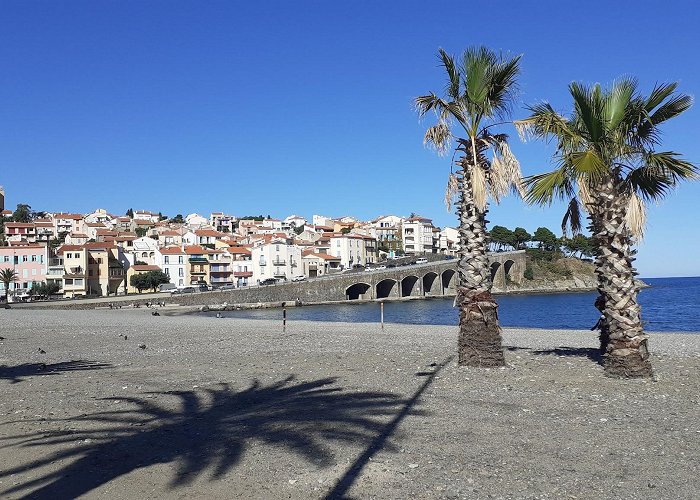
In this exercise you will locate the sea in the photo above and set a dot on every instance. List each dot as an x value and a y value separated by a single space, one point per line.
668 305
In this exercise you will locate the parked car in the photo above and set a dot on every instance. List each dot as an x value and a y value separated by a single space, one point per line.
164 287
301 277
268 281
422 260
227 287
184 289
379 268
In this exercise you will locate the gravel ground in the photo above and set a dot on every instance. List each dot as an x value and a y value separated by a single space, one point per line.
200 407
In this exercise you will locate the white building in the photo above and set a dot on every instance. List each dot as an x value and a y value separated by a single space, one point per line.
350 248
417 235
196 221
387 230
295 220
173 262
449 241
276 259
144 250
222 222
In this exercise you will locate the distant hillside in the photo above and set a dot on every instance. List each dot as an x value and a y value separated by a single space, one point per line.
551 272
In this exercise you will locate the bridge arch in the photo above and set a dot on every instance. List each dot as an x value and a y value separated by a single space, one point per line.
428 281
449 282
357 291
384 288
495 274
507 265
407 285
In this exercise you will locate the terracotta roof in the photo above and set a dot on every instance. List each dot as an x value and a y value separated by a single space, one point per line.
208 232
26 245
78 235
18 224
323 256
169 232
195 250
68 216
239 251
145 267
172 251
6 212
43 224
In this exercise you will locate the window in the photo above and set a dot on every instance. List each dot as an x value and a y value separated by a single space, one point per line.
25 258
34 258
99 260
180 259
69 256
166 260
181 272
33 272
7 258
25 273
78 282
167 271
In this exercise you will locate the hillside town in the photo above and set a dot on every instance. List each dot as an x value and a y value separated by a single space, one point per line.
96 254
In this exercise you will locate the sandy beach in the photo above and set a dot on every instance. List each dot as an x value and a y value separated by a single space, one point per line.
121 404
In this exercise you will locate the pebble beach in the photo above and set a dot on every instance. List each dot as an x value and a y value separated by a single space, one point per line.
122 404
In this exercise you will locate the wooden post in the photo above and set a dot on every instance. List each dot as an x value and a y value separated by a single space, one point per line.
381 313
284 319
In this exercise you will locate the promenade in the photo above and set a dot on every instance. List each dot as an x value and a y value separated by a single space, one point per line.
120 404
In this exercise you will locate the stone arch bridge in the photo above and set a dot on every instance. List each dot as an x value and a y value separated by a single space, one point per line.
433 279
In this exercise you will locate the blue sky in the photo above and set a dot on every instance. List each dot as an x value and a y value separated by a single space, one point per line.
306 107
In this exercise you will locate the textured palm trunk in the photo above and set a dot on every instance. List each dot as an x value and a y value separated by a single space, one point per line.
626 353
479 342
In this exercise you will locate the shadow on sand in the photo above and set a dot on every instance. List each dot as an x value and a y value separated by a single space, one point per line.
210 429
580 352
18 373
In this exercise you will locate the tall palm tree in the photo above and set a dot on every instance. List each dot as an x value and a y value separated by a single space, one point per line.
7 276
479 90
609 166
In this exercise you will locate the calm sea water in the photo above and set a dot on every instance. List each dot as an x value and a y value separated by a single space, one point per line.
671 304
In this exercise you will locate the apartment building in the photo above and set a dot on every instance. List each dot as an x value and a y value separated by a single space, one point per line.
317 264
173 262
349 248
198 269
417 235
220 269
241 265
277 259
28 261
221 222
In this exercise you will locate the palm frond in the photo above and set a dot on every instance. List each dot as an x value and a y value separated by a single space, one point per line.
438 137
477 177
542 189
451 190
659 95
476 62
616 102
587 102
452 87
572 218
544 122
426 103
636 215
503 86
587 163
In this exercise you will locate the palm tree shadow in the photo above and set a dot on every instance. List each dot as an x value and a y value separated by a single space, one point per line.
581 352
209 429
18 373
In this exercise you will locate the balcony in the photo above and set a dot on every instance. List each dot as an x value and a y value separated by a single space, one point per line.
198 260
279 262
55 271
243 274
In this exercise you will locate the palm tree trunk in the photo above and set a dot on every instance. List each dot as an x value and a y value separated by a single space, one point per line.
626 353
479 342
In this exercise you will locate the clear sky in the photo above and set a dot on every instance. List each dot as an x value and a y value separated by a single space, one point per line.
306 107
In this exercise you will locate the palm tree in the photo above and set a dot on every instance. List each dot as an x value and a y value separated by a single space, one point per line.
609 166
7 276
479 90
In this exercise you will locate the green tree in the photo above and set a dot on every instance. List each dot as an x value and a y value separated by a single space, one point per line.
156 278
8 276
141 231
547 239
140 282
178 219
23 213
479 91
609 165
520 237
130 213
502 237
